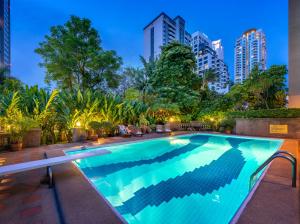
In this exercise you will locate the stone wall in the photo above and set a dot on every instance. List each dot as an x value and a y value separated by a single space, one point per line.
267 127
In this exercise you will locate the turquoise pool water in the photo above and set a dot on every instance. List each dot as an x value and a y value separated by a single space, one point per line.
198 178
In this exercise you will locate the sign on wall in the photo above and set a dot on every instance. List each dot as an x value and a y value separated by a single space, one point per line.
279 129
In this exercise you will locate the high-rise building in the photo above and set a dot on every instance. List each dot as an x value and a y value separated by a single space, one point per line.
5 33
210 56
250 51
161 31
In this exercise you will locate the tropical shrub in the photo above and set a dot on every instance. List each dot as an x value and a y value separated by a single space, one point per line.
271 113
227 124
213 119
15 122
107 129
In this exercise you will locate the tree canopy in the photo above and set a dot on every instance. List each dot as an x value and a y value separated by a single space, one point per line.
174 78
74 59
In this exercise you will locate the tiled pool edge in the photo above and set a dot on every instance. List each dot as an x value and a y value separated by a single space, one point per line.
61 176
100 146
243 206
100 194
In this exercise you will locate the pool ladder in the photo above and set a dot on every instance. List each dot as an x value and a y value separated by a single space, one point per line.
279 154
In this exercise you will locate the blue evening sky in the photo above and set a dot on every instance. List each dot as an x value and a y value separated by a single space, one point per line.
120 24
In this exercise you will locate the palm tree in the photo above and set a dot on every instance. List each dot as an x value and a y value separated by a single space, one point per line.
148 72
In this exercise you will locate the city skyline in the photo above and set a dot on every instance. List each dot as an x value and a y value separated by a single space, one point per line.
122 30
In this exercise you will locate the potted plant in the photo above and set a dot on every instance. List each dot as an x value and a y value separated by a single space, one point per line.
16 124
227 125
16 140
95 127
107 129
17 129
143 123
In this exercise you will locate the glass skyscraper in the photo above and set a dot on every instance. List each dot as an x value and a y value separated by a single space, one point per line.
5 33
250 51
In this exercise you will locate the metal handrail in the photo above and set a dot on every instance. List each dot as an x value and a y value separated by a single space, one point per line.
279 154
287 153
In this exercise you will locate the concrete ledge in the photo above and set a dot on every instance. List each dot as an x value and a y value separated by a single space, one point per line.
79 201
261 127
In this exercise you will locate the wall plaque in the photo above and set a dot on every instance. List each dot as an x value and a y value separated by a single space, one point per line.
278 129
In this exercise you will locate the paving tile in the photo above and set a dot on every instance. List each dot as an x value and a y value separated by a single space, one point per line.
29 212
32 199
38 222
7 175
2 207
5 187
4 196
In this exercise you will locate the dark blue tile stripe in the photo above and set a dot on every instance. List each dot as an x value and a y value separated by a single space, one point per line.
104 170
202 180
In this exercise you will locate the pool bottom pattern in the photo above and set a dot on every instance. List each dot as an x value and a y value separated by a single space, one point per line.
184 184
202 181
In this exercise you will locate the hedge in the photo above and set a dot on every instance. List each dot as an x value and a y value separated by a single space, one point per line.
266 113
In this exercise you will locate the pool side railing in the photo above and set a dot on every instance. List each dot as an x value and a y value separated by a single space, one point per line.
279 154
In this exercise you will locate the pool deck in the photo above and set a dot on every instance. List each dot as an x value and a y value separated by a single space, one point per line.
23 199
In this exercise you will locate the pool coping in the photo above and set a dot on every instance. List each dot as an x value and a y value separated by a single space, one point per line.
102 196
62 175
244 204
238 212
79 148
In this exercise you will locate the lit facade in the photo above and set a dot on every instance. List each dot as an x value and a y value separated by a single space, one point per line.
250 51
5 33
210 55
162 31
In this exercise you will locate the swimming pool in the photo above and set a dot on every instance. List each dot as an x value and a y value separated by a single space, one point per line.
198 178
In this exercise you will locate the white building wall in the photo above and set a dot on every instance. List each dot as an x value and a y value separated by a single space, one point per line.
218 47
158 38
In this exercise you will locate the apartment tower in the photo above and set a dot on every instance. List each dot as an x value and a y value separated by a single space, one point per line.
161 31
250 51
210 56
